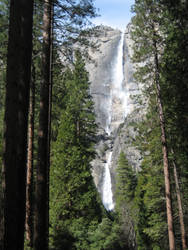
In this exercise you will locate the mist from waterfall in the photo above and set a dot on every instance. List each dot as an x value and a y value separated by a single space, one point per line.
116 115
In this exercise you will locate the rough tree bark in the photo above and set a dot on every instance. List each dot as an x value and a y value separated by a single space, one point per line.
180 209
165 152
16 122
41 209
29 184
50 113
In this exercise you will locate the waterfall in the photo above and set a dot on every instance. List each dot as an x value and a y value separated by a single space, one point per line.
119 93
116 115
118 69
107 191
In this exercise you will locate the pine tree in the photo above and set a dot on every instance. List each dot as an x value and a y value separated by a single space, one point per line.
180 208
73 196
108 235
175 89
147 22
126 179
16 116
1 191
30 161
41 209
126 182
33 122
69 16
4 13
149 201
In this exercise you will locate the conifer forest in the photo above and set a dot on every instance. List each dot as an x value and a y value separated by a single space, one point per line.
52 195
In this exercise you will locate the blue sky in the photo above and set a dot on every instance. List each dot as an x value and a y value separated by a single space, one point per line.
114 13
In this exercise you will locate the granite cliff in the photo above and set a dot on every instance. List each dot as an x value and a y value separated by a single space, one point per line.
115 95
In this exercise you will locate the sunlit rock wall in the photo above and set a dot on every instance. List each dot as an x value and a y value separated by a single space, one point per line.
101 77
101 71
127 132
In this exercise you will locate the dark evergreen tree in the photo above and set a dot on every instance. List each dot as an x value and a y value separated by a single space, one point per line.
175 89
73 197
30 161
126 182
126 179
1 191
4 13
149 202
33 122
107 236
69 16
41 197
16 116
149 44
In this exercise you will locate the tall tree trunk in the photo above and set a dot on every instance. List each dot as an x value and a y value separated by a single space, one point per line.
50 113
180 209
165 152
16 122
41 209
29 184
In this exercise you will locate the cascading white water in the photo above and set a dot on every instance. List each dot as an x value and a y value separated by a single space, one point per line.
119 94
118 100
107 191
116 114
118 69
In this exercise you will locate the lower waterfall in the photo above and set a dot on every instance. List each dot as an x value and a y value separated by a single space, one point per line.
107 190
116 114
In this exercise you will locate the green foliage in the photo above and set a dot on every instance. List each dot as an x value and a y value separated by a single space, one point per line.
160 27
72 22
175 94
4 12
70 18
149 201
107 236
3 54
126 180
74 203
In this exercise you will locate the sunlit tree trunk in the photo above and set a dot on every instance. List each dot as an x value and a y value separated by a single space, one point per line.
29 185
50 111
180 209
16 122
165 152
42 182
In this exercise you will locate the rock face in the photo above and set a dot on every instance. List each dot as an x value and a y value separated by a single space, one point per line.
115 95
125 136
101 72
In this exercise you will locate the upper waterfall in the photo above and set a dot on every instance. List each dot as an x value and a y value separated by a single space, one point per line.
118 98
118 67
118 92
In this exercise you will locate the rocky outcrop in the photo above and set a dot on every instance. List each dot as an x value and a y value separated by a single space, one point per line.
102 84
